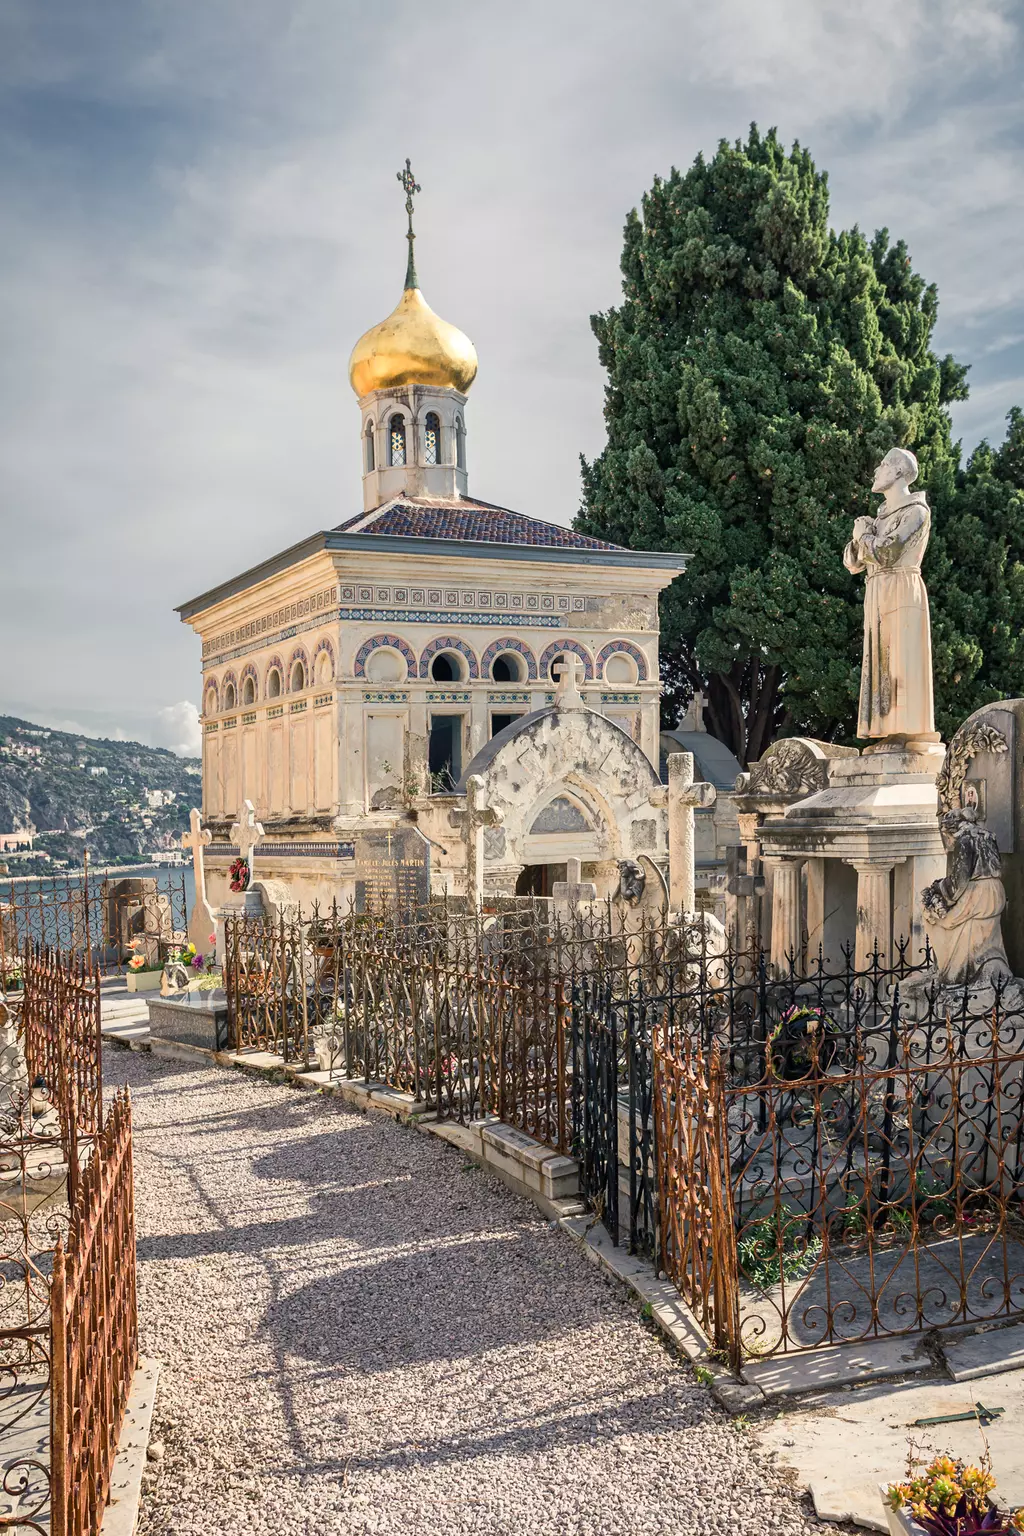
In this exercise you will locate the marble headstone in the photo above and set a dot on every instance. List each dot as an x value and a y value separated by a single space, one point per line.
392 868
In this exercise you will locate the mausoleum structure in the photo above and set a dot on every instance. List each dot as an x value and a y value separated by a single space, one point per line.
352 681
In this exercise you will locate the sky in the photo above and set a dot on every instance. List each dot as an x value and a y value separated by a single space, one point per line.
201 217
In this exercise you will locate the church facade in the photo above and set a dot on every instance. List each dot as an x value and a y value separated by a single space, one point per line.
350 682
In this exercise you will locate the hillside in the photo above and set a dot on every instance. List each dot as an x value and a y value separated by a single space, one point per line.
119 799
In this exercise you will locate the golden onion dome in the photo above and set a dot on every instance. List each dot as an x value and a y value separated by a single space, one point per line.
412 346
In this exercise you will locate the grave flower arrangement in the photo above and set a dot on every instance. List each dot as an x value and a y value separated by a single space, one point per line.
948 1498
238 874
805 1039
138 961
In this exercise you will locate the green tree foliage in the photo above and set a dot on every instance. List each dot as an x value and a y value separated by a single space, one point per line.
759 366
976 574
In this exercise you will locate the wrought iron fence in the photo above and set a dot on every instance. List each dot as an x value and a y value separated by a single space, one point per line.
94 1326
60 1024
846 1175
105 915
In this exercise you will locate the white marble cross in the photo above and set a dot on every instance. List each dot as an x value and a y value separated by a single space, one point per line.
246 833
201 919
478 815
684 797
569 676
197 838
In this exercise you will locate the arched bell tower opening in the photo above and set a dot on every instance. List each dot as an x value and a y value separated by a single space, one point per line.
411 374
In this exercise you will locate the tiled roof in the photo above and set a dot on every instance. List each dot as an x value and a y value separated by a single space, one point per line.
472 521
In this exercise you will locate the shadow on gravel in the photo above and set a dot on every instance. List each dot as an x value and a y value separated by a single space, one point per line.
651 1415
438 1304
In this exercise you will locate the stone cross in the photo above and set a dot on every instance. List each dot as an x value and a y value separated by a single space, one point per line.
574 889
200 919
477 816
684 797
571 673
246 833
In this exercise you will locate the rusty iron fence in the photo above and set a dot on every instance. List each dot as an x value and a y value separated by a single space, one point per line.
835 1179
94 1323
440 1006
60 1025
104 915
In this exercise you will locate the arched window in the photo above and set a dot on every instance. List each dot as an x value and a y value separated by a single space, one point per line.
432 439
396 440
249 691
229 696
371 461
507 668
460 443
273 683
298 677
445 668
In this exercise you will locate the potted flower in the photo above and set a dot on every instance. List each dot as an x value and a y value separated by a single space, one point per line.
949 1498
142 975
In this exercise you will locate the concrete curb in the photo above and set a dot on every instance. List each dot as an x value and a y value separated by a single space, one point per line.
122 1512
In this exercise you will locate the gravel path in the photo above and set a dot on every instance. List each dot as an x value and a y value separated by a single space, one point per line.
363 1333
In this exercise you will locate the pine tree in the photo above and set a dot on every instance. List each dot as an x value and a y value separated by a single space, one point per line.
759 366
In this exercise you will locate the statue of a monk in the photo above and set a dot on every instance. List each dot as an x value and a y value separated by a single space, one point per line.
896 705
963 910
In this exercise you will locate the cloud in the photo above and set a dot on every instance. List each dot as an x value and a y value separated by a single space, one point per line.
202 216
178 729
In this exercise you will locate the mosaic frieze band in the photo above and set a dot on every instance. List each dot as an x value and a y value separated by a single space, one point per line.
322 850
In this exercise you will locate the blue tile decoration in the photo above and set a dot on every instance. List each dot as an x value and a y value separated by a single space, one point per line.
317 602
440 616
448 643
399 696
558 648
509 644
381 642
621 698
623 647
320 850
449 696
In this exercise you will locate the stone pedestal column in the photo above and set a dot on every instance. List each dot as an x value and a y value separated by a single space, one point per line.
683 797
874 910
787 912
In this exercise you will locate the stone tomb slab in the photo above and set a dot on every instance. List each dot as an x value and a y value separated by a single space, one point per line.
192 1022
985 1354
392 868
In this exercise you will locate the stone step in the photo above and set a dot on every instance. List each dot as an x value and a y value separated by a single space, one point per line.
985 1354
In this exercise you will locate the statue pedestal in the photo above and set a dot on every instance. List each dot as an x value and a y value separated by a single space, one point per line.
851 860
239 904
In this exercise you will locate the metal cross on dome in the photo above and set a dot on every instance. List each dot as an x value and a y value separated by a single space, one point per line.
411 185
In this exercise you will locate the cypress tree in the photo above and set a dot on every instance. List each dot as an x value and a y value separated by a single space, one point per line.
759 366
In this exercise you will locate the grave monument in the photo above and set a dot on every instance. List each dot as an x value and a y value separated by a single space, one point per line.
849 861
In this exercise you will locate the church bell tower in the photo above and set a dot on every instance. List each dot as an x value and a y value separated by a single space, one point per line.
412 373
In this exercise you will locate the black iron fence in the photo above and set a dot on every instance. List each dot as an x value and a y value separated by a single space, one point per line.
851 1168
816 1157
105 916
